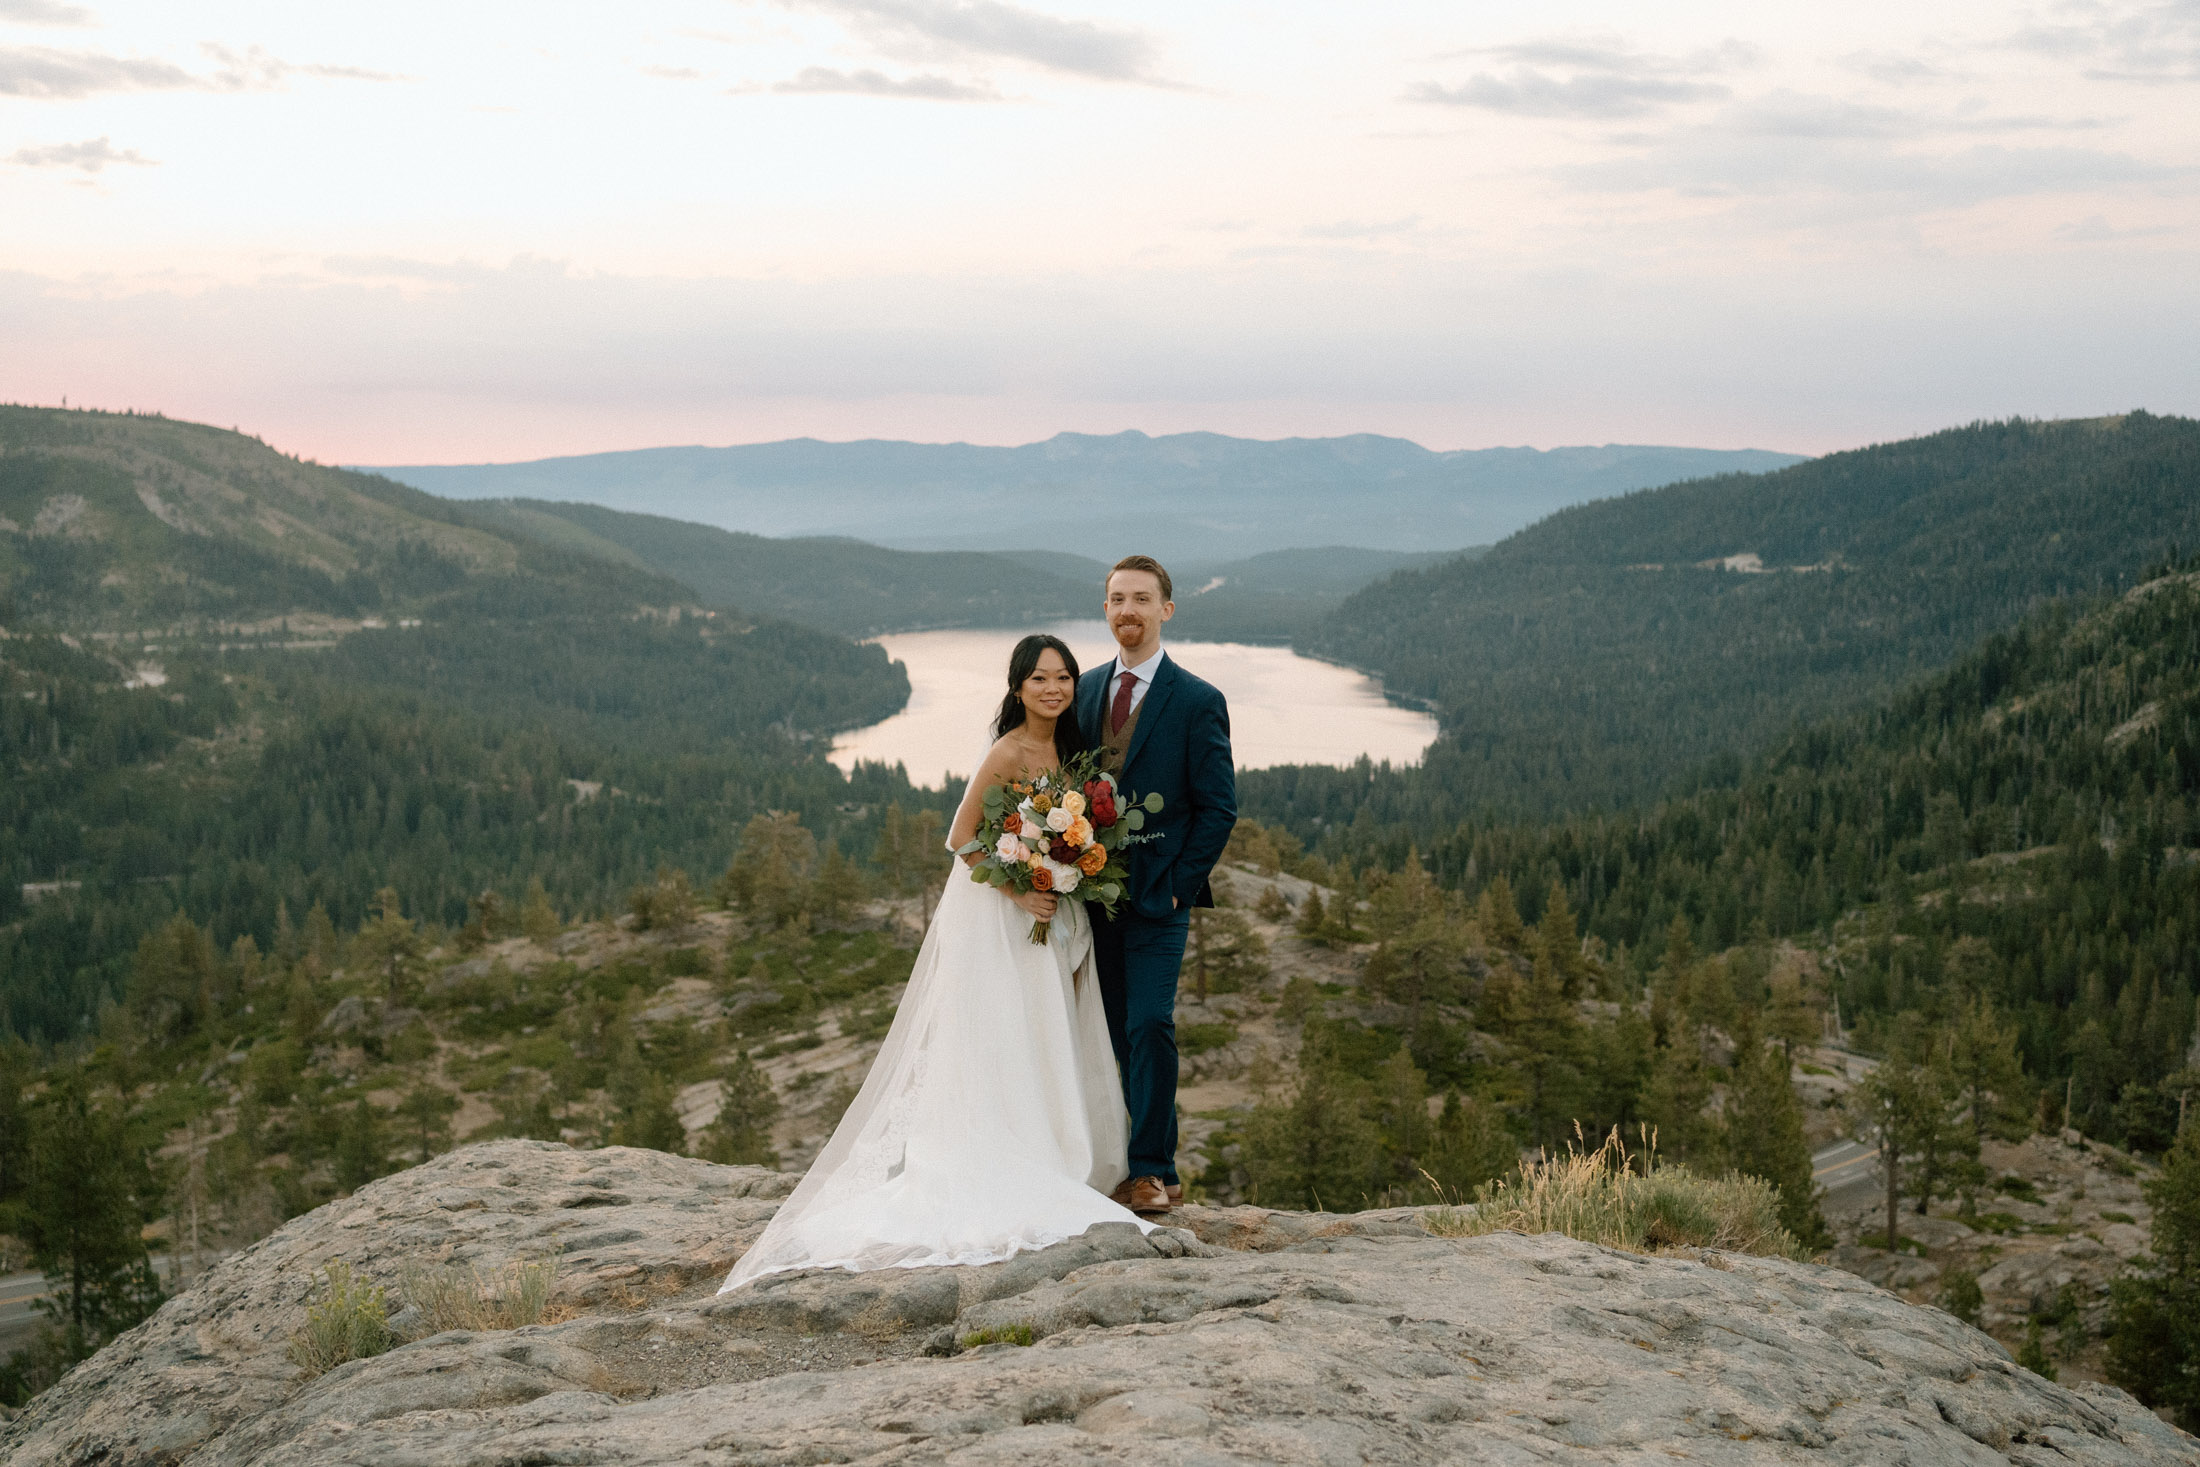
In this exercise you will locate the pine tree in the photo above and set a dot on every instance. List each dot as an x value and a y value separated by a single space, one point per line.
1676 1103
1498 915
172 988
1422 964
1471 1146
360 1152
1943 1149
537 918
908 850
426 1112
1546 1056
320 941
1224 954
2154 1308
1764 1136
390 946
742 1133
1313 916
769 876
642 1110
87 1189
1990 1085
1792 1017
1405 900
838 889
1315 1147
1886 1111
1556 935
1398 1104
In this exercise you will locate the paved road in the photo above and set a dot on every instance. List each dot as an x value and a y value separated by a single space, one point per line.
19 1296
19 1315
1848 1170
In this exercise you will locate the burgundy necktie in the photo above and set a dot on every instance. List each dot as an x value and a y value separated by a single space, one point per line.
1120 714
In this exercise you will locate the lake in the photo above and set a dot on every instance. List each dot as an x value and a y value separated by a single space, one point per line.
1284 708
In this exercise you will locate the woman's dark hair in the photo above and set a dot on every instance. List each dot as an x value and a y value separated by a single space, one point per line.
1022 663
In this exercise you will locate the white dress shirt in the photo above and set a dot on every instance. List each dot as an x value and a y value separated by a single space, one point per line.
1143 673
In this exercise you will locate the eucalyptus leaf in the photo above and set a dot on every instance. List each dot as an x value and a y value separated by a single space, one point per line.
1153 802
1134 819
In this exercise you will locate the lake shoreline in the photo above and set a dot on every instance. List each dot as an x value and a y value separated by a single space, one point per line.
1287 707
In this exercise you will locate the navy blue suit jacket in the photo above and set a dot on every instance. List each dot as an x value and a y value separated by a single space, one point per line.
1180 750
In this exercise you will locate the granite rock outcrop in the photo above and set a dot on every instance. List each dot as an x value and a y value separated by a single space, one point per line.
1240 1336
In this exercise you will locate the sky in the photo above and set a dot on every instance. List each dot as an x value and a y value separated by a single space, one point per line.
417 233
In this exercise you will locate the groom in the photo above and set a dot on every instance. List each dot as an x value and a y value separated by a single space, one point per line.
1160 731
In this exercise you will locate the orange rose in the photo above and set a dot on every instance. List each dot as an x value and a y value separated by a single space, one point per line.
1092 860
1042 879
1012 823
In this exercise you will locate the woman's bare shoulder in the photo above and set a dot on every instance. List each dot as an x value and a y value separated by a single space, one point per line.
1002 763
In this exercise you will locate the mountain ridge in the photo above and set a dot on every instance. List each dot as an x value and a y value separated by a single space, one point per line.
1193 498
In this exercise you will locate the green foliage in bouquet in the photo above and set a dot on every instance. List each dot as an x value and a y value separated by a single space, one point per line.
1064 831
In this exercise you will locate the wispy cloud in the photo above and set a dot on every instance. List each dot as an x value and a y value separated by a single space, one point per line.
2093 229
1596 80
825 81
1790 144
1356 229
85 157
253 70
45 74
997 31
672 73
2157 41
45 12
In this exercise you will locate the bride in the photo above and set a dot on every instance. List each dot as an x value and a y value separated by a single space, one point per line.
992 1120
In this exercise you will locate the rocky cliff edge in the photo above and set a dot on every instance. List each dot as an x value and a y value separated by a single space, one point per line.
1240 1336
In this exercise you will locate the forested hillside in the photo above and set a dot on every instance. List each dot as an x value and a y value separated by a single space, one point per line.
836 585
245 686
1588 661
2024 826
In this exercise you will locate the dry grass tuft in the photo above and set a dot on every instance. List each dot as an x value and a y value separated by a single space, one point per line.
350 1321
1626 1201
467 1298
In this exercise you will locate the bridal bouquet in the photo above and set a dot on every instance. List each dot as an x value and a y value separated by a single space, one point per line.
1061 832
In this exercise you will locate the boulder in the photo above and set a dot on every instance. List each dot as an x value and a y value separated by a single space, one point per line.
1315 1339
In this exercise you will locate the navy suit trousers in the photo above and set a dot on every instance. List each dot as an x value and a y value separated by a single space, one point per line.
1138 960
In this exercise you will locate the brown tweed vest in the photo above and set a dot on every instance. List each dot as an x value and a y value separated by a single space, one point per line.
1115 744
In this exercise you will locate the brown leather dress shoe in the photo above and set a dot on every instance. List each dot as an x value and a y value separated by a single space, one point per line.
1143 1195
1176 1194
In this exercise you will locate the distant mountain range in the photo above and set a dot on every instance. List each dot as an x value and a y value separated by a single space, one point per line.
1200 498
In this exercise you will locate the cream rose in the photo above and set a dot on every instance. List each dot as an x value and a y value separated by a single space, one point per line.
1074 802
1059 819
1009 848
1065 877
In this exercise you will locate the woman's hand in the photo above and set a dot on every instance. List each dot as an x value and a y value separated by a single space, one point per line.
1039 903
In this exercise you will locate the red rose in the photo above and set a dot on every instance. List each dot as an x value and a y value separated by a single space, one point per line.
1062 851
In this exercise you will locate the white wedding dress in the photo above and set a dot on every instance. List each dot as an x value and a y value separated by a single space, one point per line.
992 1120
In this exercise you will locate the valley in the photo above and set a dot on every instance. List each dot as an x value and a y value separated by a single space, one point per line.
346 825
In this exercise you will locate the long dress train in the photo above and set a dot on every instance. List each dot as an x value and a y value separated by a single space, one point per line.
992 1120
